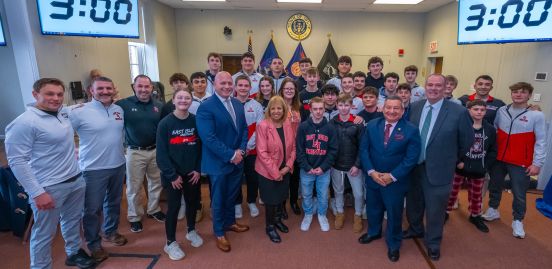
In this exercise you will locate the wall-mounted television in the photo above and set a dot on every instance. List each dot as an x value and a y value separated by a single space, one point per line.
2 37
504 21
99 18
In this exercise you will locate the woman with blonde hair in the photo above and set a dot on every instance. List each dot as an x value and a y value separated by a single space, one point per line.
274 163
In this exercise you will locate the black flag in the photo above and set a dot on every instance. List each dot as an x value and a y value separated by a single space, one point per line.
328 64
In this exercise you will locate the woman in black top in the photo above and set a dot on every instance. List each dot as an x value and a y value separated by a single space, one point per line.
179 159
266 91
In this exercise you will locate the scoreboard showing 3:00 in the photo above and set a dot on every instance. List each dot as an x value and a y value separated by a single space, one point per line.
107 18
502 21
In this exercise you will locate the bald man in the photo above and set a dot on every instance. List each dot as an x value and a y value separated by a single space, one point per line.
223 130
446 133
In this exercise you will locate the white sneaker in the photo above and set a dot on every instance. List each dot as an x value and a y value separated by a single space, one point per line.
238 212
305 224
364 216
182 212
174 251
324 224
261 201
253 210
194 238
491 214
333 206
517 227
384 214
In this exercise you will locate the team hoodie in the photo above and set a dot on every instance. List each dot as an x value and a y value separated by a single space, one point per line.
316 145
521 136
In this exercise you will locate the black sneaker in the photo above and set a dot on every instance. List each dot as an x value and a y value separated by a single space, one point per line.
135 226
158 216
479 223
81 260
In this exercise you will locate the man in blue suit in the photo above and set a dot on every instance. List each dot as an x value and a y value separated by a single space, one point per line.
447 133
222 128
389 149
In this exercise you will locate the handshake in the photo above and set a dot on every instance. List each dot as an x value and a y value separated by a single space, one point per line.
383 179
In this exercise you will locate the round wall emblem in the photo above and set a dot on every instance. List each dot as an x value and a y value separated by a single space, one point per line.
299 27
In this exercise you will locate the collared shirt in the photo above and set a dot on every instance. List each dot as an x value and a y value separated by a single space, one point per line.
40 148
100 131
434 113
223 100
390 132
197 101
141 120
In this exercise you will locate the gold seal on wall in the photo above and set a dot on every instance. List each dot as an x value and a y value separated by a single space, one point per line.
299 26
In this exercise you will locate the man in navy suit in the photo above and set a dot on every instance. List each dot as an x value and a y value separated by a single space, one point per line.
222 128
389 149
446 133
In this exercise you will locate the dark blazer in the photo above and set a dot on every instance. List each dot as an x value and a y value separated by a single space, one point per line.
451 137
219 136
398 158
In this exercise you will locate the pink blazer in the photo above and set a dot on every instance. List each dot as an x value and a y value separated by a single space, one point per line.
270 151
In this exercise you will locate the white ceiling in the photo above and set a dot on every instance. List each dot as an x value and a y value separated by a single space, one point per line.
327 5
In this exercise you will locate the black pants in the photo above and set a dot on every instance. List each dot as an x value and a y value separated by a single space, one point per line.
273 214
251 180
294 184
192 196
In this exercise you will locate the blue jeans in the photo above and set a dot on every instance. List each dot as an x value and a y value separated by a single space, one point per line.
224 190
103 189
69 202
307 184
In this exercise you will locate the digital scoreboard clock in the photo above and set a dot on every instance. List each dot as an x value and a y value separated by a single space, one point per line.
503 21
101 18
2 37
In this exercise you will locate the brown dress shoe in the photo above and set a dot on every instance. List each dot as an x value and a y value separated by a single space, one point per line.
223 244
99 255
116 239
238 228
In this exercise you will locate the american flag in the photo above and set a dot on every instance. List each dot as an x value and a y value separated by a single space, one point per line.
249 45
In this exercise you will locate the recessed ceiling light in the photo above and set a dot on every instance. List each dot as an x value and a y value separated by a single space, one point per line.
300 1
203 0
398 2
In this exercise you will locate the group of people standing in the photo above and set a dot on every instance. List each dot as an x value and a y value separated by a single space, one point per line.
389 142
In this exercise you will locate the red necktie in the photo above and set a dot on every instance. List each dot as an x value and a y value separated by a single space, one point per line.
386 133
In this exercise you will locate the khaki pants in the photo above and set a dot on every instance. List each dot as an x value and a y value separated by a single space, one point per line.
138 164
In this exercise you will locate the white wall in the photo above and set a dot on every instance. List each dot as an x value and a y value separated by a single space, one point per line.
11 101
164 28
505 63
357 34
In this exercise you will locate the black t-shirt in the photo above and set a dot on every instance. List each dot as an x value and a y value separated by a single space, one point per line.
178 147
368 116
374 82
304 98
141 121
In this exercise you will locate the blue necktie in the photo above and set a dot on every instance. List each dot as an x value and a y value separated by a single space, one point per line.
424 133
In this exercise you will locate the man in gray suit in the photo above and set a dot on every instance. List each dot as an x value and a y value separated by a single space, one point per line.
446 132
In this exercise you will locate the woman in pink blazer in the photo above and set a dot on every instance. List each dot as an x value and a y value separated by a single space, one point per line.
274 164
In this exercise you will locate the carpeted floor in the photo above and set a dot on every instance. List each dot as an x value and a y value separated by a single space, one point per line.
463 246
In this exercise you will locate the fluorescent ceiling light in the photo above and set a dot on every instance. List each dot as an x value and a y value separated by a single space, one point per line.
203 0
300 1
398 2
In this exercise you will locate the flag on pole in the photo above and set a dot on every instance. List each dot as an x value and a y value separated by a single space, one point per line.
249 45
269 54
292 68
328 64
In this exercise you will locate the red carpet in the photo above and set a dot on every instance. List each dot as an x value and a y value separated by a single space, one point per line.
463 246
